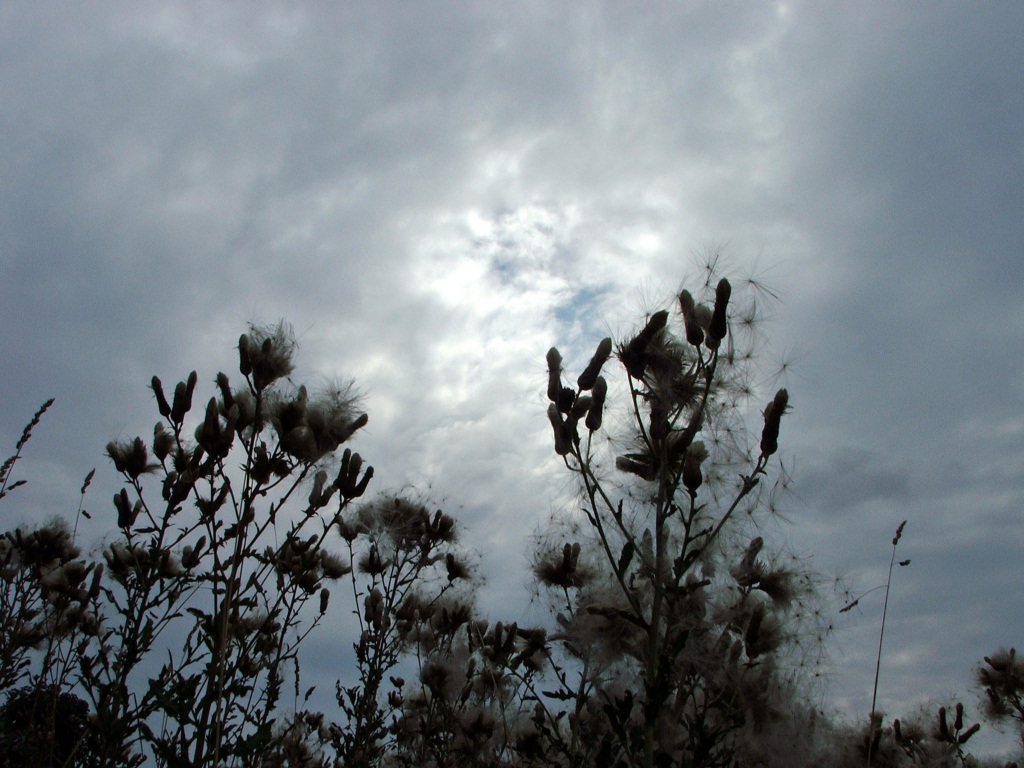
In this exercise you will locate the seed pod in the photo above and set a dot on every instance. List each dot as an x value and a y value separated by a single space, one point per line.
598 393
687 307
717 327
554 374
589 376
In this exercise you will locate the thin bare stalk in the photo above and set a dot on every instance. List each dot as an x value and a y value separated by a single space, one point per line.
881 637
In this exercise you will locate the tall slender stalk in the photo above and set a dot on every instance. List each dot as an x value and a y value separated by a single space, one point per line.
881 637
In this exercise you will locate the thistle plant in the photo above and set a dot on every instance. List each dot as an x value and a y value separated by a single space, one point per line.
412 586
1001 677
672 622
231 558
48 610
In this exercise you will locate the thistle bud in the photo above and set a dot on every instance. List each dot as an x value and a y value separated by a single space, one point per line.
300 443
554 374
126 511
316 495
244 350
687 308
717 327
598 394
225 391
696 453
183 398
634 354
130 458
970 732
325 596
751 553
208 434
94 587
772 417
189 558
163 441
634 466
360 489
455 569
348 477
161 400
589 376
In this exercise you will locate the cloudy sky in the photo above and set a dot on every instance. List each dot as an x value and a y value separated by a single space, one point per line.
435 193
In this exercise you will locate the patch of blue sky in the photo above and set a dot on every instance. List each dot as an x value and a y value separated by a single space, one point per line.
582 307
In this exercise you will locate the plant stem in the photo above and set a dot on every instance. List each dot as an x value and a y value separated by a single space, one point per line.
881 637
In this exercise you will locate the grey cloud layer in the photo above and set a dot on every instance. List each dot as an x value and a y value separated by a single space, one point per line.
436 193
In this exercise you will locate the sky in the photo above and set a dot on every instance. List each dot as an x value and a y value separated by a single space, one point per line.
433 194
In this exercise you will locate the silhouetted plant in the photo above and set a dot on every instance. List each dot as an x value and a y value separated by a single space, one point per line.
676 634
671 625
875 718
408 588
1001 677
43 726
